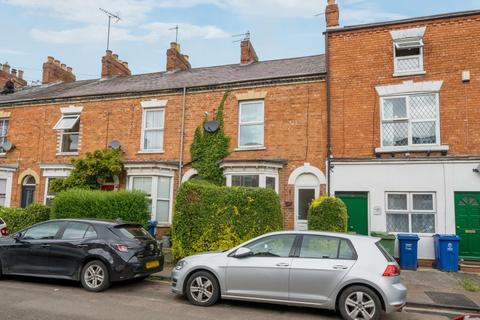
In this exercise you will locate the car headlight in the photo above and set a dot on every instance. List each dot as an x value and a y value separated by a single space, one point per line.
180 265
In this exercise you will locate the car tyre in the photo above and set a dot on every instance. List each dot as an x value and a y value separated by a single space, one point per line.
202 289
360 302
95 276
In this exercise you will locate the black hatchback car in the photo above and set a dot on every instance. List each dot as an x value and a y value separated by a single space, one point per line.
94 252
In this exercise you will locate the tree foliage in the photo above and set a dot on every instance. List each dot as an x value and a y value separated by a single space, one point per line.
89 172
209 148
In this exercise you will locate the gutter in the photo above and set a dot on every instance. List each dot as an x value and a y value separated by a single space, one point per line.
329 138
182 136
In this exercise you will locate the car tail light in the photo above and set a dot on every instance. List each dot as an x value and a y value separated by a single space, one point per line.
391 271
121 247
4 232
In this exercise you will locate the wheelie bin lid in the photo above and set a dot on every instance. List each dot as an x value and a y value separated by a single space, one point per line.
382 235
447 237
408 236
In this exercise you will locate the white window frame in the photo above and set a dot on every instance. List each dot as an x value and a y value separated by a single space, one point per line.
410 121
410 211
414 43
3 138
63 132
240 124
144 129
154 195
262 178
46 196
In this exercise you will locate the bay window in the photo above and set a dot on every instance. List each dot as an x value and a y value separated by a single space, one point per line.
158 190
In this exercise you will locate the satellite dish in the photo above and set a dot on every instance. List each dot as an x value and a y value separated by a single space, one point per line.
115 145
7 146
211 126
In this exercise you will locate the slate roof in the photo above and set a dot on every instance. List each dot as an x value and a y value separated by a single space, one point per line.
160 81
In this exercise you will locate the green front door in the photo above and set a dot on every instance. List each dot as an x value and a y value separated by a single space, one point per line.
467 218
357 208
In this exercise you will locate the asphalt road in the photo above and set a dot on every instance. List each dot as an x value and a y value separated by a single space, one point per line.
34 299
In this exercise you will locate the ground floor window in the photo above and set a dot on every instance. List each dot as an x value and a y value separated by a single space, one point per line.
410 212
49 194
158 191
3 192
252 180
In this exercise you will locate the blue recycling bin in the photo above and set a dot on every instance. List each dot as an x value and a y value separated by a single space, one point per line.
446 252
152 227
408 249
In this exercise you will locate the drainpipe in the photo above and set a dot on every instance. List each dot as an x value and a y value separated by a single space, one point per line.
182 136
329 144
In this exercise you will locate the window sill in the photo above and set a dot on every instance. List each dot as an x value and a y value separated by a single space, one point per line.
409 73
250 148
67 153
151 152
411 149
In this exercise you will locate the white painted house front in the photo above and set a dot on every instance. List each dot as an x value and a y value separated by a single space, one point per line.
410 195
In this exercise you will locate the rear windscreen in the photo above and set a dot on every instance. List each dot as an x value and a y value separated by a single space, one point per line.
132 232
385 253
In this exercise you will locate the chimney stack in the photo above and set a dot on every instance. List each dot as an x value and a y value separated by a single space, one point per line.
332 14
175 60
54 70
248 54
16 76
112 66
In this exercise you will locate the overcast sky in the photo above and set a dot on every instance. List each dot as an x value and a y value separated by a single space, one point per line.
75 31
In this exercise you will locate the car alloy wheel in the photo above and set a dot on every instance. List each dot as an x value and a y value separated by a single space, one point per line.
360 305
201 289
95 276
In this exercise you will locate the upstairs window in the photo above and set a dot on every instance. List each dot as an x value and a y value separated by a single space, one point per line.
408 56
3 133
411 120
69 129
152 130
251 124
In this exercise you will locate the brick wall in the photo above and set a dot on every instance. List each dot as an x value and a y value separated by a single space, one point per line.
450 47
294 114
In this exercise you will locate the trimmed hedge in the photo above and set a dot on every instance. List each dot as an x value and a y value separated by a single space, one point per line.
208 217
18 219
79 203
327 214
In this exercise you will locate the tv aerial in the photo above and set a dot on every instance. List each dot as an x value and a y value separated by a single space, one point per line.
110 16
244 36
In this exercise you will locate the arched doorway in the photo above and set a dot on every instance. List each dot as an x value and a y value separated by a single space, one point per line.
28 191
306 181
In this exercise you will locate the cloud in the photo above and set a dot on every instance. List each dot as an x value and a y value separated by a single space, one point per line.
162 29
12 52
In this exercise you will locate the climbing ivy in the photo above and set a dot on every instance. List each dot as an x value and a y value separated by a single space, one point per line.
89 172
209 148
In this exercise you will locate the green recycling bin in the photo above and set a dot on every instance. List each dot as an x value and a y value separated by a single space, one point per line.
388 241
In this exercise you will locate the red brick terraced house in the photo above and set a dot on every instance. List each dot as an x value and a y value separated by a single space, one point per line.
274 115
404 126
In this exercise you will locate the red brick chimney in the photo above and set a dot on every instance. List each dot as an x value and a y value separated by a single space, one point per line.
7 74
248 54
175 60
112 66
332 14
54 71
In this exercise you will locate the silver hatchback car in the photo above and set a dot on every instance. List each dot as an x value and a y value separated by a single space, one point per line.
348 273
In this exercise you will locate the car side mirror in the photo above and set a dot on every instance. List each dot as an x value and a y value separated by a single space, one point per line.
17 237
242 253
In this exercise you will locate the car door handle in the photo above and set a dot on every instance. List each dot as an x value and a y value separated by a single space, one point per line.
45 245
82 245
282 264
340 267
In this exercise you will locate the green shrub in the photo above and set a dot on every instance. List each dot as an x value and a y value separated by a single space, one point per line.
18 219
79 203
208 217
327 214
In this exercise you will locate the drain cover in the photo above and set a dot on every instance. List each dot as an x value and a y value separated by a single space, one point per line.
452 299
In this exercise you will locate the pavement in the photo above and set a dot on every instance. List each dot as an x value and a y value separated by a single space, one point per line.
42 299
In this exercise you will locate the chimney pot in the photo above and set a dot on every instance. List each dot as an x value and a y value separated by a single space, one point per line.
176 60
20 74
175 46
125 63
69 69
64 66
14 72
113 66
6 68
109 52
57 62
54 70
50 59
115 56
332 14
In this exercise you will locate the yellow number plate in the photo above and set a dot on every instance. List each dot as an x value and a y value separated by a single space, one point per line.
152 264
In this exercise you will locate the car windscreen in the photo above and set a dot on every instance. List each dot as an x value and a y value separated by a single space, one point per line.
385 253
132 232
